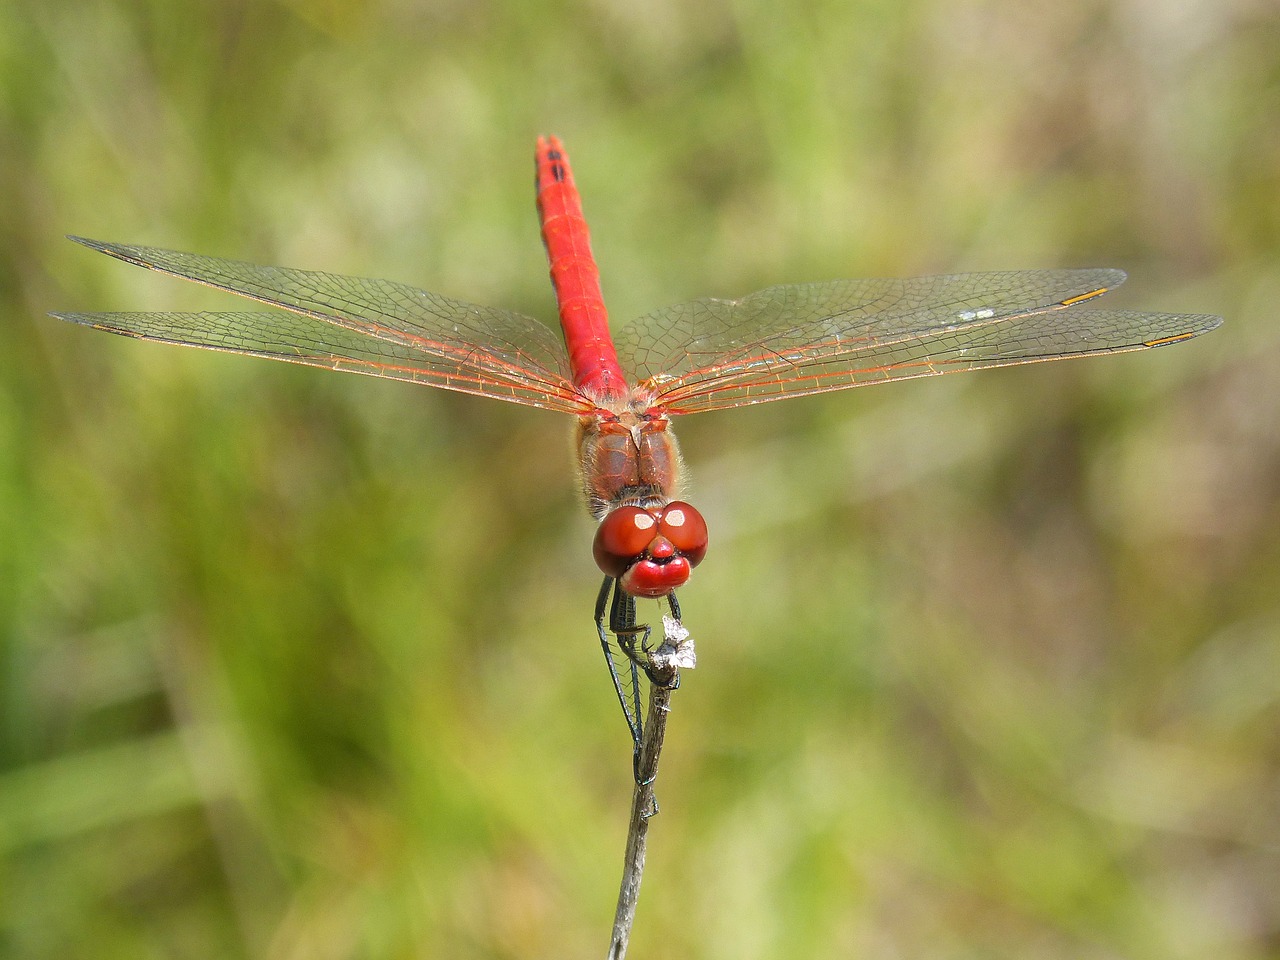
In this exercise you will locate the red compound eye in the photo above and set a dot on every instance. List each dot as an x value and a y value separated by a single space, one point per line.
622 538
684 527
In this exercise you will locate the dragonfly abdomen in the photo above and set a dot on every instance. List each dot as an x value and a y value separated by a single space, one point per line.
583 318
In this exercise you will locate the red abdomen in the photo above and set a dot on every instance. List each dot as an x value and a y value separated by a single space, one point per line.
583 318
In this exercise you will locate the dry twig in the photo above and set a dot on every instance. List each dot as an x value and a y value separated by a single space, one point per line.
664 663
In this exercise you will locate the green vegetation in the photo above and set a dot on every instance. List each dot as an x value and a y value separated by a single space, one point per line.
300 666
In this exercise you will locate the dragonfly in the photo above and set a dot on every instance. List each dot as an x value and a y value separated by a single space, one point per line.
624 392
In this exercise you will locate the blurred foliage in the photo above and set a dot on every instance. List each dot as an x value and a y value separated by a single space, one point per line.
301 666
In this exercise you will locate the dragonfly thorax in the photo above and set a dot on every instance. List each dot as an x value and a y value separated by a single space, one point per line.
627 456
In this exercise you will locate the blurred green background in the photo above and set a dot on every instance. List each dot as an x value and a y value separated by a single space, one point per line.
297 665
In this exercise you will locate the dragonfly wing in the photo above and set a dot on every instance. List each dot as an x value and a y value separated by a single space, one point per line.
303 339
810 338
377 327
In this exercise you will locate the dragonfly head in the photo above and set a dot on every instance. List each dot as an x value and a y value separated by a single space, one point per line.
651 552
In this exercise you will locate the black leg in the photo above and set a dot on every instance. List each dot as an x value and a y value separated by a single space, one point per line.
633 641
631 711
633 638
622 622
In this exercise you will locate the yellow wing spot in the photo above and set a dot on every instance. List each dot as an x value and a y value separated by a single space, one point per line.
1085 296
1163 340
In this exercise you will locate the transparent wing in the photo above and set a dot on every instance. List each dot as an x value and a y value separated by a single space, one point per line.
377 327
794 340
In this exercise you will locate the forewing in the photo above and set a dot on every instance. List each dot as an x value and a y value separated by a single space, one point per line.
809 338
376 327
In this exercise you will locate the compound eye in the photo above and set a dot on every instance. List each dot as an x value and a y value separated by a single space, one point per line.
683 526
621 539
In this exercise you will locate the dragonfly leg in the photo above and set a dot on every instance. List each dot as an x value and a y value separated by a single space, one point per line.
628 695
633 641
633 638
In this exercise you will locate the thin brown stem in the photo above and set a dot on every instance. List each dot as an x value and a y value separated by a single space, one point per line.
643 807
662 666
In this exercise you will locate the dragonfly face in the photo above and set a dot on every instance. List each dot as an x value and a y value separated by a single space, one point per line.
651 552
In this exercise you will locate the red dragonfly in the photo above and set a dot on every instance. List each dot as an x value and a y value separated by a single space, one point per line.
708 354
